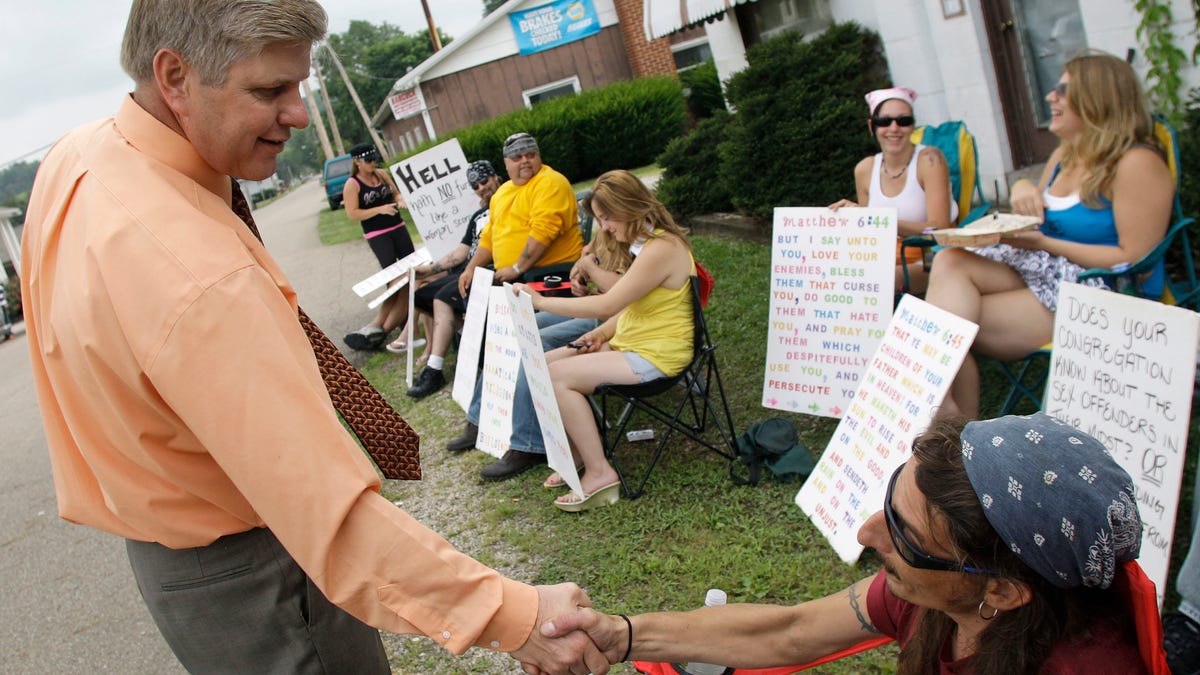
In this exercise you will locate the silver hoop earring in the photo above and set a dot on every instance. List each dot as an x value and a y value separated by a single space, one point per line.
995 611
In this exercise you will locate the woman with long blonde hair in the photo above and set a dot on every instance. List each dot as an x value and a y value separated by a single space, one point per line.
1105 198
648 331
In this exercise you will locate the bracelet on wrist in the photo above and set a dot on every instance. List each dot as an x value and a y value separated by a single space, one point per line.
516 268
629 630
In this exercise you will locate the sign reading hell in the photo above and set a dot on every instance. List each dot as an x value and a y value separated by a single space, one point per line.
832 281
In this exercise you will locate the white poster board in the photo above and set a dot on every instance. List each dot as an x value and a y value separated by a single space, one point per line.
434 185
903 385
469 345
1122 370
400 269
501 363
537 374
832 287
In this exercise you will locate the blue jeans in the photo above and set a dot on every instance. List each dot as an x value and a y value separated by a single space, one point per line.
555 332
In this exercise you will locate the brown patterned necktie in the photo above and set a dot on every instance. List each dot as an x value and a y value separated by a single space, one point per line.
387 438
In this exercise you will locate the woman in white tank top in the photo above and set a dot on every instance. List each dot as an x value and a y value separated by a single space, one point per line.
912 178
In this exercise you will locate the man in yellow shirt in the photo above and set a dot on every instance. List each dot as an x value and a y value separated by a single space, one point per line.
534 220
182 401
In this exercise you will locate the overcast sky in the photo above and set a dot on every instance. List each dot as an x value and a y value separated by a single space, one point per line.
60 59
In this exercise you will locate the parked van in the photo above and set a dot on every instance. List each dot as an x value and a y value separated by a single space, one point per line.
335 175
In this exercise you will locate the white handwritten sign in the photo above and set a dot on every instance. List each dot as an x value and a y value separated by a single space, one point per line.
1122 370
903 385
831 297
537 374
472 337
396 269
501 362
440 199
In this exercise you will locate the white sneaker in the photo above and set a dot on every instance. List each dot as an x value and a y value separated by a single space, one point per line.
365 338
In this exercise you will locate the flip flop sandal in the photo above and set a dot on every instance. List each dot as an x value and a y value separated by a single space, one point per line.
398 347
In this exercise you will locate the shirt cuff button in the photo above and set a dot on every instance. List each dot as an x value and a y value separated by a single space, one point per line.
446 634
495 644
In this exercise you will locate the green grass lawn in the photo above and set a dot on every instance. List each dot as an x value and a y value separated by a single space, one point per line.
691 530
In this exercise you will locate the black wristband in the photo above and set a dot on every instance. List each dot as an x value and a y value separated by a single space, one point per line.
629 647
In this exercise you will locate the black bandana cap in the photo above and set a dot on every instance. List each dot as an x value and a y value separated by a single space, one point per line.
479 171
365 152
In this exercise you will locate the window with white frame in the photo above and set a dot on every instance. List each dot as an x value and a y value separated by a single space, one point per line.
690 54
567 87
767 18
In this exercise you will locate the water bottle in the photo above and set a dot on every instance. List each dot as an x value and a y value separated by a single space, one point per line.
714 597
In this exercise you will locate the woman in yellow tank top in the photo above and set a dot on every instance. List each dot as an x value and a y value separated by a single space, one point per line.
647 334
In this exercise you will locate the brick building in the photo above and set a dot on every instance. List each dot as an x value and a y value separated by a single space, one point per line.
485 73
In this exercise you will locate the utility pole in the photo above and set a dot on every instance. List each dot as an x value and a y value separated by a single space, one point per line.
433 31
337 135
316 115
354 95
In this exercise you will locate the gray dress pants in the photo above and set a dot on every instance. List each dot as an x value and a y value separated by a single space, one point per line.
243 605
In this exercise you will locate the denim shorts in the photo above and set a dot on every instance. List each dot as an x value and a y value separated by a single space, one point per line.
645 370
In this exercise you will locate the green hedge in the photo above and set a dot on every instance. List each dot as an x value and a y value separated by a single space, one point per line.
623 125
702 90
800 125
799 128
690 183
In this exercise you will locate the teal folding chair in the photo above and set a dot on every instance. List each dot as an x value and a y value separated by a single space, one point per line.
962 159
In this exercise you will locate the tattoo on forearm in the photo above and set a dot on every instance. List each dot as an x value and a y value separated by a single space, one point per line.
863 621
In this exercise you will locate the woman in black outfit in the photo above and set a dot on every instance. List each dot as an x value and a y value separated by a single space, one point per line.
371 197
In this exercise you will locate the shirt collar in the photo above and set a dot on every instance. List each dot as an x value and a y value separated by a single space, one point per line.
158 141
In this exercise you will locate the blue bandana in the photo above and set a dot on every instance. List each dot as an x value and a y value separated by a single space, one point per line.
1055 496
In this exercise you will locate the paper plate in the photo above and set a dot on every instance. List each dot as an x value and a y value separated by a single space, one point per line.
986 231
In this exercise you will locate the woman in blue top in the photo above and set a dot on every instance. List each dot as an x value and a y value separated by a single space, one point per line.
1105 197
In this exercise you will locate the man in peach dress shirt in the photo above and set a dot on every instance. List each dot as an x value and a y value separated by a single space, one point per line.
183 406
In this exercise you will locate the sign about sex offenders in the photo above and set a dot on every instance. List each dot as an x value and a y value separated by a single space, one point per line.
1122 370
904 383
832 281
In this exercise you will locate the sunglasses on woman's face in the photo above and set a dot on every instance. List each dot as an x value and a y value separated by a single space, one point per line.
910 554
1060 89
902 120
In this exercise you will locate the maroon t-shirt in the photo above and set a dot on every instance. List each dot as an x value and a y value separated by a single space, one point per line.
1106 652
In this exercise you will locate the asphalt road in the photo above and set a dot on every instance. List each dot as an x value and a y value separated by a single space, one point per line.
69 601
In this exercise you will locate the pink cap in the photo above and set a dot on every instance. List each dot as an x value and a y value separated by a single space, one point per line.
877 97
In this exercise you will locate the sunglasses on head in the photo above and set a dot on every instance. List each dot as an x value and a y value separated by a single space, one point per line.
1060 89
902 120
911 555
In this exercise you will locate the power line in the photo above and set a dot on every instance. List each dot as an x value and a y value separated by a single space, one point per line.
22 157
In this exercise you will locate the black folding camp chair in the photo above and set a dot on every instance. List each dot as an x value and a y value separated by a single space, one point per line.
688 402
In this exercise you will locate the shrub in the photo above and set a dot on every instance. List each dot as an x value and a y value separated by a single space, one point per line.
12 289
690 183
620 126
702 90
1189 168
799 128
